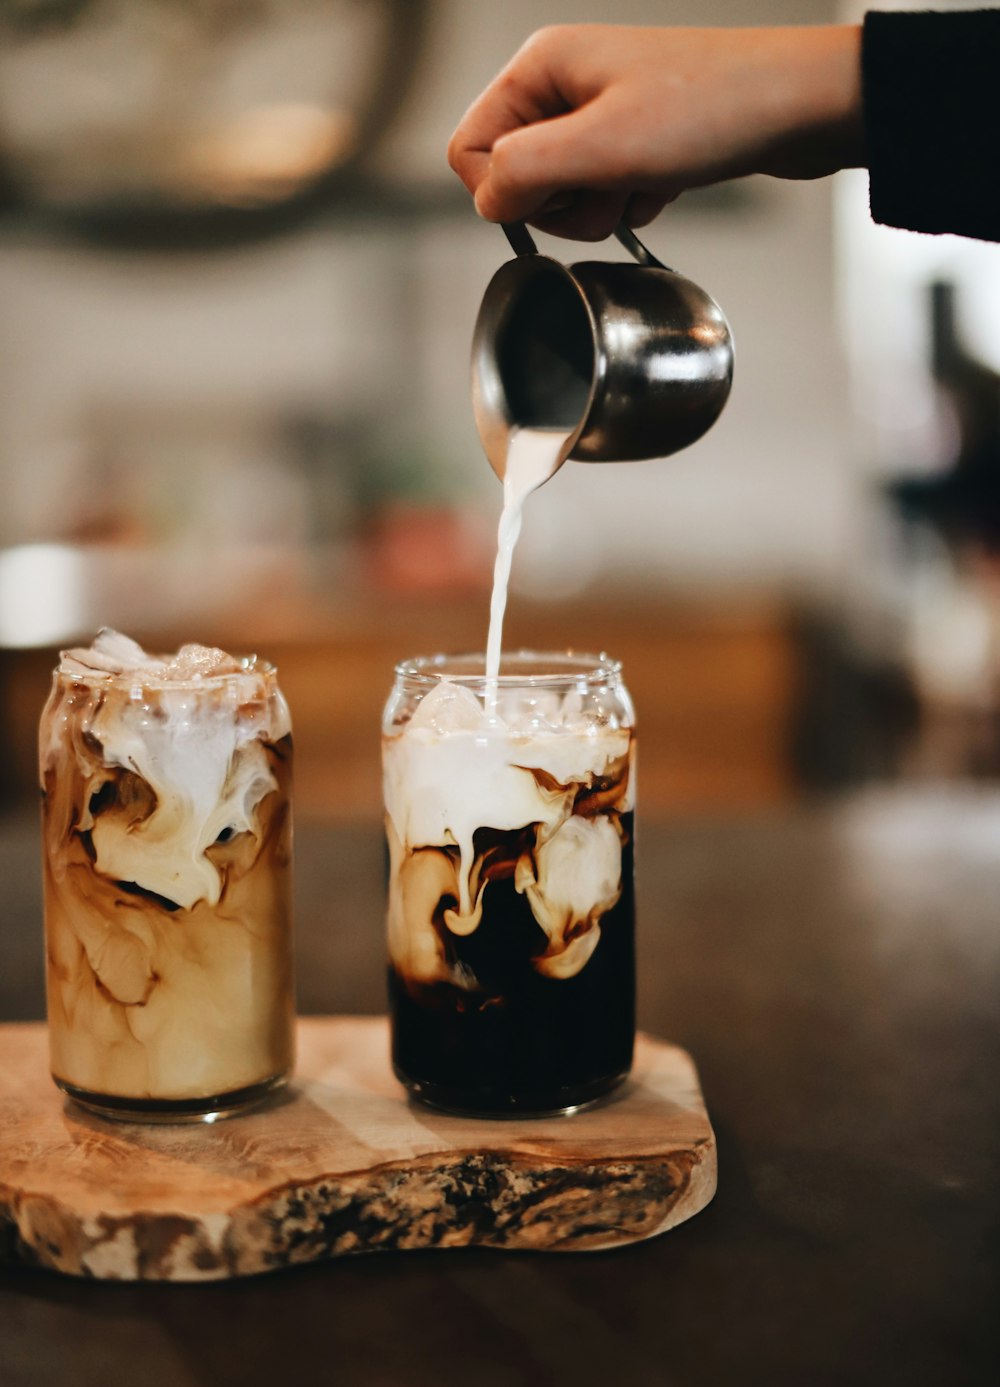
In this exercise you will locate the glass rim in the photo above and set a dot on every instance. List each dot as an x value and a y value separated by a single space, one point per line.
577 668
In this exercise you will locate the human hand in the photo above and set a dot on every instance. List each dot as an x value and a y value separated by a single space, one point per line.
591 123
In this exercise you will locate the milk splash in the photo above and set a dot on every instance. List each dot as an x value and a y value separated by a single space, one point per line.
532 457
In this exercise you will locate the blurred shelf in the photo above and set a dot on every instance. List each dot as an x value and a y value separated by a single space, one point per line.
364 201
715 680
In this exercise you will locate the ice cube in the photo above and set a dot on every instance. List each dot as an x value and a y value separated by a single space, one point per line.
110 653
200 662
114 653
449 707
590 711
525 711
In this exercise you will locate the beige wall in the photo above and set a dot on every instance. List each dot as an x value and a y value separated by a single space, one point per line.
376 320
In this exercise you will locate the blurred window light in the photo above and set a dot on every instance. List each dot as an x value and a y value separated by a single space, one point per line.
41 595
269 151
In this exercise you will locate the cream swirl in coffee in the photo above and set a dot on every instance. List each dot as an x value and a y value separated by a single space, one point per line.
167 836
540 768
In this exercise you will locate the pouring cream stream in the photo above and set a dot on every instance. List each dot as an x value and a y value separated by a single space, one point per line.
533 455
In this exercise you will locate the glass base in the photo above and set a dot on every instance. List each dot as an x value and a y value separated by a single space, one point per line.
560 1102
174 1110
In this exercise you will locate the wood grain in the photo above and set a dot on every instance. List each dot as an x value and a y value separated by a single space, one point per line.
340 1163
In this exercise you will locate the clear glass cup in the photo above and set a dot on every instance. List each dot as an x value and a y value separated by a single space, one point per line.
510 826
166 826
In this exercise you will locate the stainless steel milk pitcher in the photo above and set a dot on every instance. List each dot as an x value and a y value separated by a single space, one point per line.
633 361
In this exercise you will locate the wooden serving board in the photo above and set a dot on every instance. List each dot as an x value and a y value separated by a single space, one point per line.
340 1163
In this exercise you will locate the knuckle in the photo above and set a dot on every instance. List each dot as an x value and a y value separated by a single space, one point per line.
502 159
544 40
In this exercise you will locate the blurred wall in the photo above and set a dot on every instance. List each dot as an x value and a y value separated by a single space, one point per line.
367 319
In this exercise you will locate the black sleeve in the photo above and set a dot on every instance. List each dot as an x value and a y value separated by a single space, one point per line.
931 84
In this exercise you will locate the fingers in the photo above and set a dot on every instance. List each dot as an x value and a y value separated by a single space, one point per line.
552 158
525 91
643 208
586 217
583 216
555 139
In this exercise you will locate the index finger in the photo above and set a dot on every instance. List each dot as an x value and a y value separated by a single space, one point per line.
524 92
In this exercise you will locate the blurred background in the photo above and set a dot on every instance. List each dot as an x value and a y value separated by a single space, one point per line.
238 285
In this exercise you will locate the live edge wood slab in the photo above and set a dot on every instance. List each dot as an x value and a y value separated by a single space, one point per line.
341 1162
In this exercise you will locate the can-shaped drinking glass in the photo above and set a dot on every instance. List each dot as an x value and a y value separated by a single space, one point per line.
166 824
510 826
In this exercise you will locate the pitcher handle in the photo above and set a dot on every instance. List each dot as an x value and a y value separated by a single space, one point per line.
519 237
625 236
521 243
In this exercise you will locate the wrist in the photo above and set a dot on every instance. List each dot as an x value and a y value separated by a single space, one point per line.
816 103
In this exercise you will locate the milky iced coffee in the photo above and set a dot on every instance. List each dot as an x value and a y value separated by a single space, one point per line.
167 859
509 819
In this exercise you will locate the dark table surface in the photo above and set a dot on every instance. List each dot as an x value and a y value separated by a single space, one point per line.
836 974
